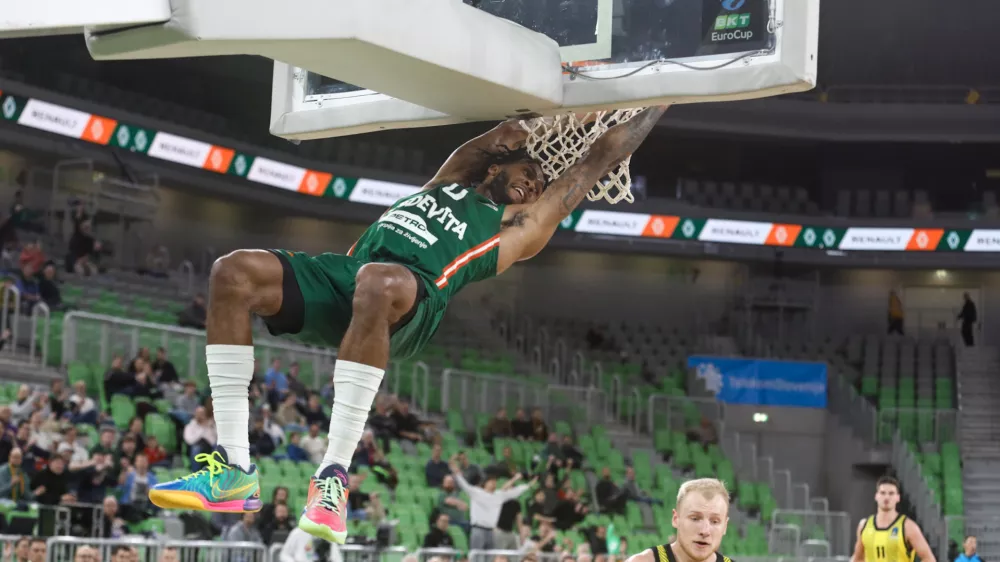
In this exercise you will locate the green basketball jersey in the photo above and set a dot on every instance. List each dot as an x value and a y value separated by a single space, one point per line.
449 234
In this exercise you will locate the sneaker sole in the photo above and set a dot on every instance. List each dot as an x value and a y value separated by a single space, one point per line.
321 531
172 499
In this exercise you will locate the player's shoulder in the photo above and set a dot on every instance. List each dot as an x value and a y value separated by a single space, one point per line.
720 557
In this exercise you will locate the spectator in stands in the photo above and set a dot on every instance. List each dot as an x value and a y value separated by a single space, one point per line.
365 451
969 316
48 287
106 442
22 217
384 472
125 456
39 548
506 467
485 504
895 314
163 369
295 386
436 469
573 455
83 409
117 380
86 553
200 434
135 490
472 472
276 383
270 426
408 425
632 490
169 554
58 398
186 403
78 213
288 415
381 421
121 553
194 315
546 540
314 444
144 385
499 427
438 536
522 427
314 411
83 250
156 453
22 550
505 536
360 505
539 429
278 497
610 498
969 551
245 530
598 539
261 444
136 431
94 479
7 424
450 502
26 402
50 486
13 480
552 454
71 439
27 285
294 449
33 255
278 527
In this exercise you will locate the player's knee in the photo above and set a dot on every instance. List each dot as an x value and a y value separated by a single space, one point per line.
382 290
241 275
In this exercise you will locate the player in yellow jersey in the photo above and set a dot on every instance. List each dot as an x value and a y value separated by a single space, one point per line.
889 536
700 518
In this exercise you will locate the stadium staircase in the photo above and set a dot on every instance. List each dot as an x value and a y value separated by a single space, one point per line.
978 396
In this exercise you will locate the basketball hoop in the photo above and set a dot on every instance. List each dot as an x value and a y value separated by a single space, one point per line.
558 142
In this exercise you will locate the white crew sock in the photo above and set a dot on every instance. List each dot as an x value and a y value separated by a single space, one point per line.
230 369
354 389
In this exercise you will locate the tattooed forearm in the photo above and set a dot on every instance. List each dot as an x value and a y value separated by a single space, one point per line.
574 197
624 139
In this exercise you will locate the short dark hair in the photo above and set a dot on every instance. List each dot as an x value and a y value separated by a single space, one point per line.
517 157
888 480
38 540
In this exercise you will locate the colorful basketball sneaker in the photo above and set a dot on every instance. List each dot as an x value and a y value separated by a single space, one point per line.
217 487
325 514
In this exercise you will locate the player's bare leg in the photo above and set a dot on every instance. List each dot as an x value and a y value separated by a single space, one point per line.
383 295
241 283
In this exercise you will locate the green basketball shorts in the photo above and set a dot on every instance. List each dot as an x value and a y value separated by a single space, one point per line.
317 303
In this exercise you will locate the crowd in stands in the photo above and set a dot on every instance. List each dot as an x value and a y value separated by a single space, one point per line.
62 446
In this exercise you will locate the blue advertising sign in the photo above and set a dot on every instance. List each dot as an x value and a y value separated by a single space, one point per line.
763 383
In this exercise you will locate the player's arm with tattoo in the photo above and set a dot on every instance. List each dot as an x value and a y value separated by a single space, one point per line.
527 229
469 162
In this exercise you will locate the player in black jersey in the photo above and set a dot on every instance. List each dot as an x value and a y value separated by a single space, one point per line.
700 517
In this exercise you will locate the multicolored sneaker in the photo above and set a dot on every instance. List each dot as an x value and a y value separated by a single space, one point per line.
217 487
325 514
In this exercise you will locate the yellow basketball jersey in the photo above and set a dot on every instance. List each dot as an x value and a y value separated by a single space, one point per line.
886 545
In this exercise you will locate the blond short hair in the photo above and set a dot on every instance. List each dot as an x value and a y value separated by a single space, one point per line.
708 487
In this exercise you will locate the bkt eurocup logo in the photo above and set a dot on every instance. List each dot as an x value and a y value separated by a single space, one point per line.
733 5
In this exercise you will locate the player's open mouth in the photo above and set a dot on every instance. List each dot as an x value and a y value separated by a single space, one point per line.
520 192
702 544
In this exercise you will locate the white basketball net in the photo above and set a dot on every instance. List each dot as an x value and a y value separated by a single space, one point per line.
558 142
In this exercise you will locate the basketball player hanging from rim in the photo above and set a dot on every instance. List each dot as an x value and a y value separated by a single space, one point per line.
700 518
486 209
889 536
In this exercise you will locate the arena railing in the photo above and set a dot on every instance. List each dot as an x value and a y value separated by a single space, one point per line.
121 335
41 315
11 318
926 507
852 408
63 549
185 277
832 527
